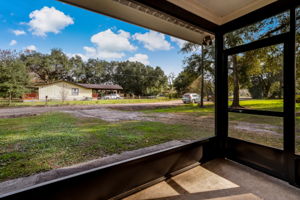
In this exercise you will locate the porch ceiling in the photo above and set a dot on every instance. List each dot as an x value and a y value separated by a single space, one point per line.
221 11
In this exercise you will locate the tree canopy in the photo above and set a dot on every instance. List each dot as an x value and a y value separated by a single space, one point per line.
135 77
14 77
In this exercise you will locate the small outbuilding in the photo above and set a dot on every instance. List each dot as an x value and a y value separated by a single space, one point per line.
65 90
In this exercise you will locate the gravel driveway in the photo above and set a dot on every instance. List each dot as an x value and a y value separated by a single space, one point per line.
29 111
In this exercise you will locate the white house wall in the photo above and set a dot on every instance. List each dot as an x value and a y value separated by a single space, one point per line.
59 90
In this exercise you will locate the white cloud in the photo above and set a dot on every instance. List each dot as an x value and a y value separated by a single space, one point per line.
153 40
109 45
12 43
90 50
30 48
143 58
83 57
124 34
19 32
110 41
178 41
48 20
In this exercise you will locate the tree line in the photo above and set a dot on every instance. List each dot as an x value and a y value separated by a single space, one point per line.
20 71
259 73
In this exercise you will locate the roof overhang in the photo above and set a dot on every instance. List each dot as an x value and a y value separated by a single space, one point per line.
145 16
190 20
86 86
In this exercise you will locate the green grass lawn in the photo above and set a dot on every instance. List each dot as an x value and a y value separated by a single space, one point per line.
234 118
91 102
38 143
209 109
263 104
186 108
271 105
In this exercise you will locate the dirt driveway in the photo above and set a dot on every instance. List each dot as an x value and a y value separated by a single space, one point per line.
206 121
114 113
29 111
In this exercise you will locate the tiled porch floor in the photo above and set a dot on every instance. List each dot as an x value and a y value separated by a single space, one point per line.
219 180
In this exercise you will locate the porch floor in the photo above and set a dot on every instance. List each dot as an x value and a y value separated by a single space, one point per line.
219 180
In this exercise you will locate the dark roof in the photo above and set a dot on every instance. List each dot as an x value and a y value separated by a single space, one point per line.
101 86
88 86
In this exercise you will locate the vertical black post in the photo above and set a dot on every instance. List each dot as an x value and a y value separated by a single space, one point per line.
289 98
221 94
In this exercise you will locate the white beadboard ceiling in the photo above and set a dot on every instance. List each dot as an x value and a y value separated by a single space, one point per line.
221 11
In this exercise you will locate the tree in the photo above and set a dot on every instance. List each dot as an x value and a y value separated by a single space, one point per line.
93 71
77 73
231 40
14 78
201 64
138 79
183 81
171 79
265 72
48 68
238 65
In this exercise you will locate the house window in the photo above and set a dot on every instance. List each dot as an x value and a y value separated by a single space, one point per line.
75 91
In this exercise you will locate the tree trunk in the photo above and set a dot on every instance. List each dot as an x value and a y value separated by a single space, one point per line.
236 85
202 90
202 77
10 98
266 90
280 89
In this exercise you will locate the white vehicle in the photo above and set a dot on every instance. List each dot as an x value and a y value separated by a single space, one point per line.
112 96
191 98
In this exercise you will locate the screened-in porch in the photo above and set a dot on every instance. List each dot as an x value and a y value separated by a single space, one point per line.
230 164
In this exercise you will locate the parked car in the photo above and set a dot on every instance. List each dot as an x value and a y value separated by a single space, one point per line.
191 98
210 98
112 96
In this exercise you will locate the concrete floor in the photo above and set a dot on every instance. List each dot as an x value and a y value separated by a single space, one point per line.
219 180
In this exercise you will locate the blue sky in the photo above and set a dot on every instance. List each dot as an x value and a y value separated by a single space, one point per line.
45 24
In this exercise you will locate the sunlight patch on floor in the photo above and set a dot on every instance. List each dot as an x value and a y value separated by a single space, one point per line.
200 179
159 190
195 181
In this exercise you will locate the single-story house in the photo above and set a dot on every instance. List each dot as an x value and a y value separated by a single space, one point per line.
65 90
